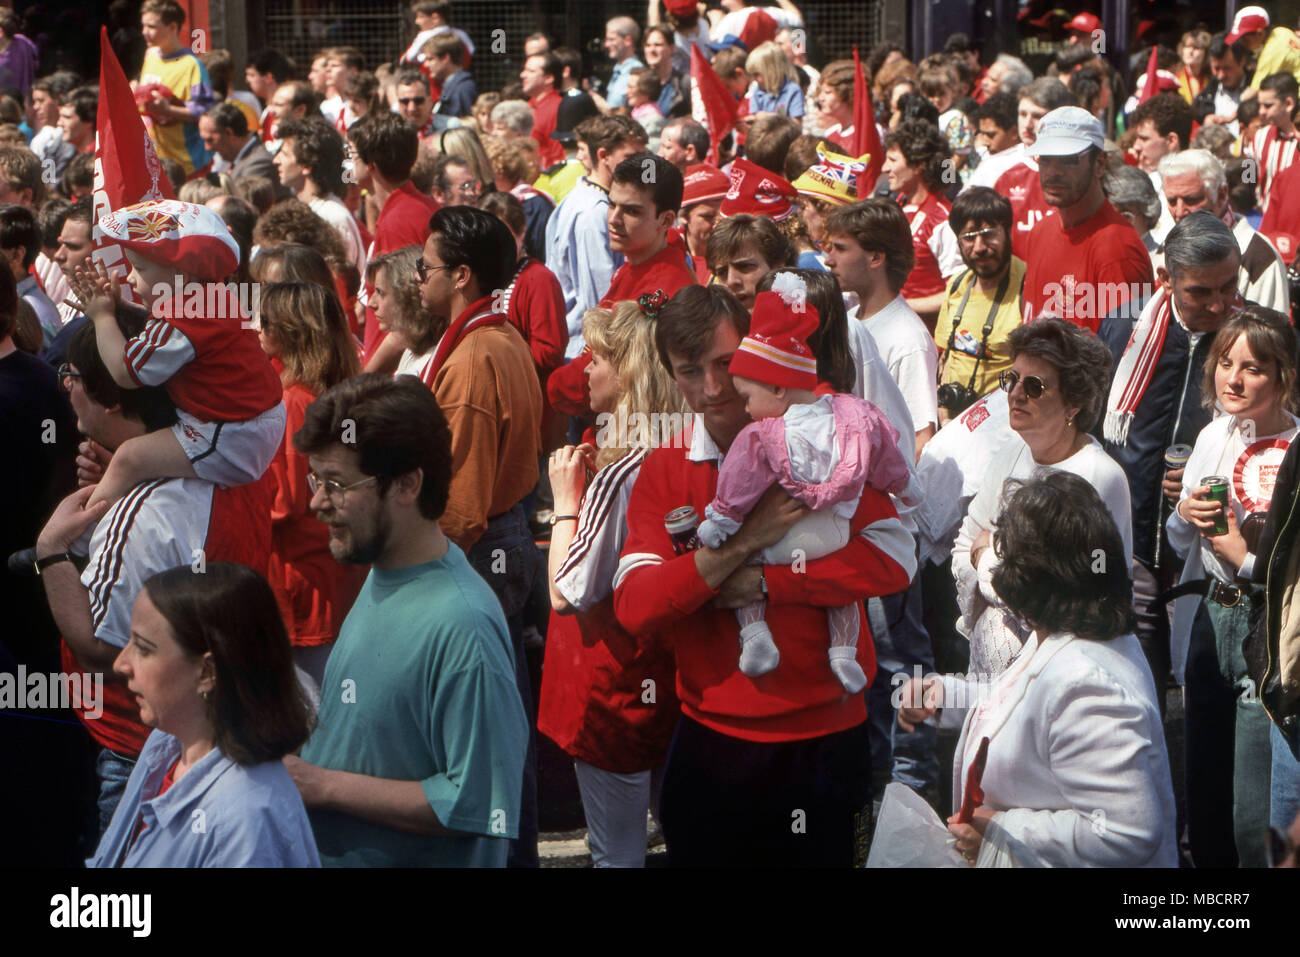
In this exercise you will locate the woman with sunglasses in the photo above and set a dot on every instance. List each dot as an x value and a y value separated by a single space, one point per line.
1056 389
1250 374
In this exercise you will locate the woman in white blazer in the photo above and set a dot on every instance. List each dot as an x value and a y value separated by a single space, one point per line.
1077 774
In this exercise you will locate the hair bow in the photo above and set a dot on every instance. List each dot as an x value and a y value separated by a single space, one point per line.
652 302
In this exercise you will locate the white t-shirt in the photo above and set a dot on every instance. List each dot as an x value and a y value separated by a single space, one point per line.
910 355
734 22
416 364
994 165
332 210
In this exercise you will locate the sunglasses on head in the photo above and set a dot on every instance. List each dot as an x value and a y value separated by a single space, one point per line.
1032 385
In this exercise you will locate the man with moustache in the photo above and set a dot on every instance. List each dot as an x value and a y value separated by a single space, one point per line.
981 306
419 745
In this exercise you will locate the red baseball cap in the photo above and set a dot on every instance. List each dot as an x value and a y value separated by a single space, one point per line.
1248 20
681 8
1084 23
703 182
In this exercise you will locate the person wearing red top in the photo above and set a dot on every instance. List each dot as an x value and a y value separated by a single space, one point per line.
386 147
916 159
1274 145
159 524
641 216
303 329
541 77
1019 182
1282 218
749 751
1086 260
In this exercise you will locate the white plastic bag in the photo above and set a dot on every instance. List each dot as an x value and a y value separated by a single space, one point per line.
910 834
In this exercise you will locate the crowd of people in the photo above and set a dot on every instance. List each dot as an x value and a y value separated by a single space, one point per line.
795 429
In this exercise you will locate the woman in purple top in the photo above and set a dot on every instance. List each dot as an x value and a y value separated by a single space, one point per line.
18 55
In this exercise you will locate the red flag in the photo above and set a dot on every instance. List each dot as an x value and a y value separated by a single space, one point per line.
866 138
1152 85
712 105
127 169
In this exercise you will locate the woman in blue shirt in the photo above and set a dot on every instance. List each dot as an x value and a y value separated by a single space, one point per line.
210 665
776 86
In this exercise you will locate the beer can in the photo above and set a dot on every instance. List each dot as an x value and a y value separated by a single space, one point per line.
681 524
1218 493
1176 456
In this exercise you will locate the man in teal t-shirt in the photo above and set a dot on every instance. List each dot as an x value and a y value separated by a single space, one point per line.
417 757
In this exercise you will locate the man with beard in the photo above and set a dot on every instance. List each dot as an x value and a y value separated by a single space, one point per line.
482 374
419 744
982 303
1087 259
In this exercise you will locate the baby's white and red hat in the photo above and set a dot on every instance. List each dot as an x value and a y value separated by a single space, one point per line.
776 350
191 239
758 191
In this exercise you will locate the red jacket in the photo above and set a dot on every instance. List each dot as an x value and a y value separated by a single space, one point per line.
659 594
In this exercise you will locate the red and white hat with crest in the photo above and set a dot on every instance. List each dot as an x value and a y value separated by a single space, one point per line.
191 239
758 191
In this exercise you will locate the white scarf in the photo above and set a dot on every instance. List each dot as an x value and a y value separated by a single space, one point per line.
1136 366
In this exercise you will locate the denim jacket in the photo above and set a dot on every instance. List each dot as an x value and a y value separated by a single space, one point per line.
219 814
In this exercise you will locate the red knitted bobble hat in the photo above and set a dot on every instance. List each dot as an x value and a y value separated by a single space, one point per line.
776 350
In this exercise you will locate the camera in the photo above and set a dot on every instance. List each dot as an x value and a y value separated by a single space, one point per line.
956 398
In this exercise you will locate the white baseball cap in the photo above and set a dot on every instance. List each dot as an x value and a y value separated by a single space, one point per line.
1066 131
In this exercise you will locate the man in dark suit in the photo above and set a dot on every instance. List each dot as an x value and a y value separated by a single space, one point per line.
225 131
447 59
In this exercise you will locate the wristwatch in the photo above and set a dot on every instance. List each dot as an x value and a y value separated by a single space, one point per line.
762 579
562 518
43 563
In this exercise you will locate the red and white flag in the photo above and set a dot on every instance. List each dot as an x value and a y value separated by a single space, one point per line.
127 168
1152 85
866 138
712 105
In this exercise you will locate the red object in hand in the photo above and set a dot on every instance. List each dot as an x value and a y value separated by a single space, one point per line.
974 794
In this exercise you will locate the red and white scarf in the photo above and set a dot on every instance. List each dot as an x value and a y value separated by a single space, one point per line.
478 314
1133 374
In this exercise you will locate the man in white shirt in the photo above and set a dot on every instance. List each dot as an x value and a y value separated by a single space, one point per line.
997 133
577 235
1194 180
310 162
870 253
342 62
432 18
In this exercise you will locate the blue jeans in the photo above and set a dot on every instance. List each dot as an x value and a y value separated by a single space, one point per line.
1284 794
113 770
902 644
509 561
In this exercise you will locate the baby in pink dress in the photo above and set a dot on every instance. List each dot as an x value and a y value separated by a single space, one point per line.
823 450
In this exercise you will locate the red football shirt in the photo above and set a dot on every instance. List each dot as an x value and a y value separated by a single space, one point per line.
1020 185
545 107
404 221
925 279
1087 271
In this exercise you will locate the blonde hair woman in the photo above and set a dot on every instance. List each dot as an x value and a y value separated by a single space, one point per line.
594 675
463 143
777 87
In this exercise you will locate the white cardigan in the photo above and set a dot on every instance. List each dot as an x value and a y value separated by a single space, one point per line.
1077 768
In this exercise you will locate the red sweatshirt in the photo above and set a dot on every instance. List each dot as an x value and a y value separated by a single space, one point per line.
668 270
657 593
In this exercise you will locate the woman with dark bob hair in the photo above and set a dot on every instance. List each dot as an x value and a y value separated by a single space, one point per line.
210 664
1076 774
1056 389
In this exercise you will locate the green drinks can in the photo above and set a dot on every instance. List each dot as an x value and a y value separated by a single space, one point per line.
1218 486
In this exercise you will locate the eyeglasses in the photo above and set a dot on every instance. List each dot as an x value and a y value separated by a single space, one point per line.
413 101
422 269
468 187
1032 385
988 235
65 372
334 491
